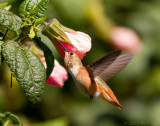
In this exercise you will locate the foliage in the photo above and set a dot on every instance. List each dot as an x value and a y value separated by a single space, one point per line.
25 66
31 10
9 116
9 20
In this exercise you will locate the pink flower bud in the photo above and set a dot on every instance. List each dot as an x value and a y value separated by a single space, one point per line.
58 76
125 39
74 41
81 43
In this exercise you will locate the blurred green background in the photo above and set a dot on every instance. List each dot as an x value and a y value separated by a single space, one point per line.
137 87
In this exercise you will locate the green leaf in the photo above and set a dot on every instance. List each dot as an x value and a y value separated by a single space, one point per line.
27 68
48 55
15 120
32 33
9 116
3 5
30 10
9 20
1 52
39 22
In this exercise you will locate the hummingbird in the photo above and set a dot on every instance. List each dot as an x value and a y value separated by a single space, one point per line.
91 80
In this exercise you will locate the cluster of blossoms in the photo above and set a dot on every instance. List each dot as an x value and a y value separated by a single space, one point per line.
80 43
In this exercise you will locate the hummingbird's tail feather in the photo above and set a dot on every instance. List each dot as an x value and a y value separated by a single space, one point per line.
106 93
110 97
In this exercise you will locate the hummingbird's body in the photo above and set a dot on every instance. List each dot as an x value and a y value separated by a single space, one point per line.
91 86
91 79
80 74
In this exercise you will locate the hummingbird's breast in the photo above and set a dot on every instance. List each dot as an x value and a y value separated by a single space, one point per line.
83 80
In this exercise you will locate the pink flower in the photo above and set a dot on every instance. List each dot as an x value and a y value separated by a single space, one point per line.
125 39
74 41
81 43
58 76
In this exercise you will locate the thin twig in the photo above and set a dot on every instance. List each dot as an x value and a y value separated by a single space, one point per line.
22 40
4 35
11 80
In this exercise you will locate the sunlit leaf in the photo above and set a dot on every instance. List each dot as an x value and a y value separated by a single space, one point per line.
27 68
32 33
30 10
3 5
9 20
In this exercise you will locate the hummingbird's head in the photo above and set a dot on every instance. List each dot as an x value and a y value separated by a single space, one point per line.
70 58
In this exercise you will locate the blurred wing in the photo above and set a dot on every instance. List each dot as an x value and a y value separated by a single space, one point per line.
114 68
100 65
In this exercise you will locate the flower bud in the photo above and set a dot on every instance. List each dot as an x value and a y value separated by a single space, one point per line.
54 30
81 43
125 39
58 76
77 42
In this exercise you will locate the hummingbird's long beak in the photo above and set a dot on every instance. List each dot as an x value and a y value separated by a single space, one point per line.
62 45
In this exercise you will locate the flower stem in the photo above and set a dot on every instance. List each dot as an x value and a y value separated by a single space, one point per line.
6 123
4 35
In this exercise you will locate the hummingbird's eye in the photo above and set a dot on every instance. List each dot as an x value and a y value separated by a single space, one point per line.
72 53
